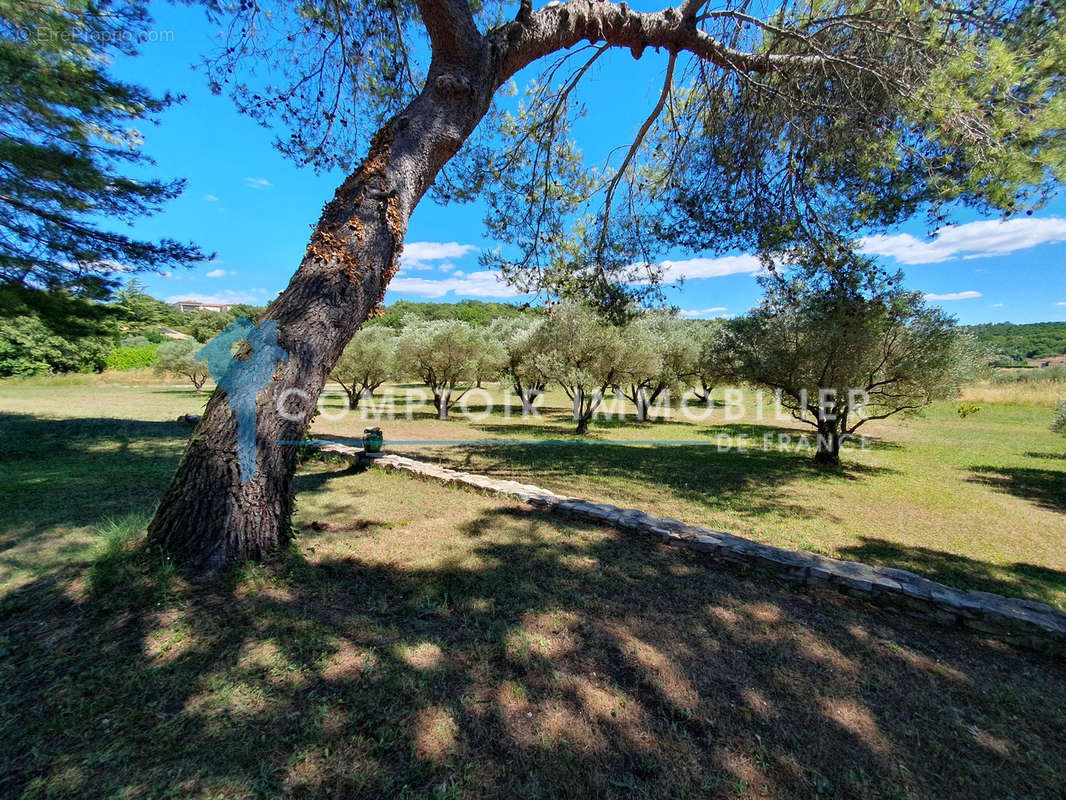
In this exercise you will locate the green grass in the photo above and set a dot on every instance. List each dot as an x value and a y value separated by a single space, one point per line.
423 641
976 502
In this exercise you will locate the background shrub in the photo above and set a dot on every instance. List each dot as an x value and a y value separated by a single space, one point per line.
1031 375
1059 425
123 358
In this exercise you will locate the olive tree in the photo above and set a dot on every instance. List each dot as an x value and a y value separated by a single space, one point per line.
843 344
663 359
713 362
366 363
491 357
445 355
519 338
896 105
585 355
178 357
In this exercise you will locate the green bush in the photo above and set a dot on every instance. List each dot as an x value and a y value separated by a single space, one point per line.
123 358
1059 425
30 347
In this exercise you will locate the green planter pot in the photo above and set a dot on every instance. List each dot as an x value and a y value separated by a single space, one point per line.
372 440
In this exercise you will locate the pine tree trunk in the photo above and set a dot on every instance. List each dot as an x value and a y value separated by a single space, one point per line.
208 518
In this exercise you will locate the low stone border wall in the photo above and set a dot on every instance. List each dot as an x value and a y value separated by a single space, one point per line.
1022 622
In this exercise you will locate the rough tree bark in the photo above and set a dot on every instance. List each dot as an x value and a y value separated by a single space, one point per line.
208 518
832 430
828 452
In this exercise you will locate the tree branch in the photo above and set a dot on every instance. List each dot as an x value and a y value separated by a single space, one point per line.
453 35
557 27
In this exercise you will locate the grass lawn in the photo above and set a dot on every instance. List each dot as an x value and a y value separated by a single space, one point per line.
977 503
424 641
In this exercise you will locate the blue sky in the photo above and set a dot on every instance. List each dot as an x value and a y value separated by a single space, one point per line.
255 209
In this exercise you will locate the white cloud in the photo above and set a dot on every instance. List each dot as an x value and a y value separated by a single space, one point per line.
972 240
954 296
421 255
710 267
476 284
997 305
218 273
703 313
1061 304
257 183
210 198
252 297
103 266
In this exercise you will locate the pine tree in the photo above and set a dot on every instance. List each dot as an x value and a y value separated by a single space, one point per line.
68 139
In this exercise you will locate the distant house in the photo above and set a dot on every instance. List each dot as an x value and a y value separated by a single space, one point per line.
195 305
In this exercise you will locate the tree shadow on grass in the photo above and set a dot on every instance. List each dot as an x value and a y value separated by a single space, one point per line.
1013 580
706 475
554 660
1044 487
77 473
1052 456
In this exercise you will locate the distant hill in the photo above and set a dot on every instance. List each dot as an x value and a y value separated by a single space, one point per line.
476 312
1019 343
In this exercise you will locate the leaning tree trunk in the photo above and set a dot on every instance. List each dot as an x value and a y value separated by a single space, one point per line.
209 517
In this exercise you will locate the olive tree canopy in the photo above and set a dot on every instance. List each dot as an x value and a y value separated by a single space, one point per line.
846 345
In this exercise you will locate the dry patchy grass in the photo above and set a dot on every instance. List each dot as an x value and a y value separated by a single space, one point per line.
422 641
977 502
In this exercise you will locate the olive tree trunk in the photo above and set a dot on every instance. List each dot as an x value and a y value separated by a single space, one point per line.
829 440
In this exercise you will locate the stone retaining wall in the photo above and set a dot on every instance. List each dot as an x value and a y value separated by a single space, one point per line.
1023 622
